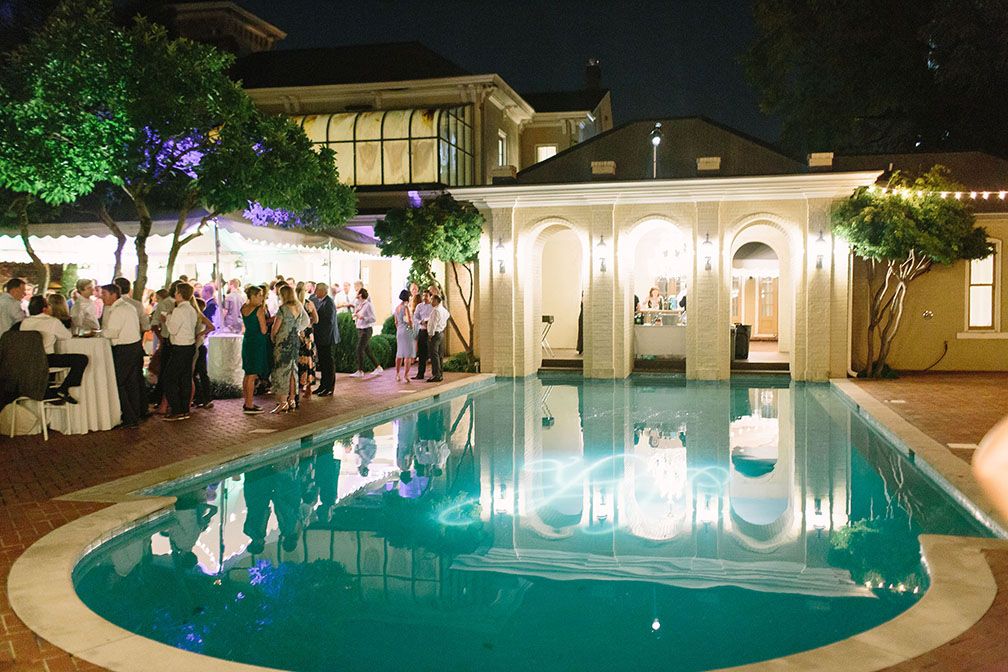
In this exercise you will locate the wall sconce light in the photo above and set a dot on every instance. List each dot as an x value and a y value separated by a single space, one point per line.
500 255
820 249
602 250
708 246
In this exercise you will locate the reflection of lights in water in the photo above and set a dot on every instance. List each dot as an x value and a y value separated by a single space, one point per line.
655 625
667 466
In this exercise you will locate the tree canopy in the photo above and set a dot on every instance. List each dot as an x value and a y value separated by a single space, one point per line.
901 231
860 76
61 120
441 229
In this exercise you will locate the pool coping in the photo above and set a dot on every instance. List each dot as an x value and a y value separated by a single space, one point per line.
40 587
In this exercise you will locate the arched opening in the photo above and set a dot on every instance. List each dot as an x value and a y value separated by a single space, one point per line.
662 265
556 317
762 298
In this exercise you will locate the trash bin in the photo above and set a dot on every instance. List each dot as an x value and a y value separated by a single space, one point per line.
742 333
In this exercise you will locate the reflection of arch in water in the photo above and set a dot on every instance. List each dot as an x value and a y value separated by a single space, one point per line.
654 490
761 481
553 479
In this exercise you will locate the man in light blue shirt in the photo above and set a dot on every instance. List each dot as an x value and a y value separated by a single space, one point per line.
11 312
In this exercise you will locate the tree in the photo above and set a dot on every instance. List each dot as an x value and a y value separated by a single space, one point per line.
177 98
441 229
859 76
900 232
60 123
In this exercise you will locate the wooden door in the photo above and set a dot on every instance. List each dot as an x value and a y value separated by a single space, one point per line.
767 320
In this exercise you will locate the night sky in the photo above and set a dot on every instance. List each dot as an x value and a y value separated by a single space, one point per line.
660 59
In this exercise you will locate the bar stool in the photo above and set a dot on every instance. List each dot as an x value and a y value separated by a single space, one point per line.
548 321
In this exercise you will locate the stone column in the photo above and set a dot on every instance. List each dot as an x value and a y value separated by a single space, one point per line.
813 301
498 345
707 329
601 298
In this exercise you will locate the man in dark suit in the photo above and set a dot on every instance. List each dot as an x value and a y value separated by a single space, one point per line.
326 336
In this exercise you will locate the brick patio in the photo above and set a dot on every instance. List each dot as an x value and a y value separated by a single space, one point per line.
952 408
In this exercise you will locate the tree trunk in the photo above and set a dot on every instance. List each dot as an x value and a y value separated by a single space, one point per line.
144 217
886 309
177 240
467 303
41 269
120 237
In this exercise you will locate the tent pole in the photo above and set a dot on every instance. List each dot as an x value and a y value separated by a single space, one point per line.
217 268
329 245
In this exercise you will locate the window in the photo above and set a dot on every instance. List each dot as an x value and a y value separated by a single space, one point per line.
544 152
502 153
982 303
415 146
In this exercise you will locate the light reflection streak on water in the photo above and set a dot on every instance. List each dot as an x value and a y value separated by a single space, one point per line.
570 474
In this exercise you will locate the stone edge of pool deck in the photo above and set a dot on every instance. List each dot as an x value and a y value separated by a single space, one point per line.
962 592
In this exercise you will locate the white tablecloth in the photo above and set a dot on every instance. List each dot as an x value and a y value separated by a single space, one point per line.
98 397
224 360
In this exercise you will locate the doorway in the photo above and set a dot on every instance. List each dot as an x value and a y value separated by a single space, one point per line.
756 302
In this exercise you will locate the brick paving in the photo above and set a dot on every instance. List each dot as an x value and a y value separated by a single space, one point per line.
950 407
34 472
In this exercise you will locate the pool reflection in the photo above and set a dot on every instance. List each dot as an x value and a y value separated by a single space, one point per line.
471 512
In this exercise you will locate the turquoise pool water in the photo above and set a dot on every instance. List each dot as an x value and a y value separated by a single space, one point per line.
541 524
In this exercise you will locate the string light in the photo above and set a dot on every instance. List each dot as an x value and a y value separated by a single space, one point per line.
1001 194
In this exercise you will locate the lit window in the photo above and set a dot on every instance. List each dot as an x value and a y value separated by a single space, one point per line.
502 157
982 294
413 146
544 152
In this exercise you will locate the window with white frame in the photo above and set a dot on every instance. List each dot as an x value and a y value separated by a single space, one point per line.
982 293
544 152
502 153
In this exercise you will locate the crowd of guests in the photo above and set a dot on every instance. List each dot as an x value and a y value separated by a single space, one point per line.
289 331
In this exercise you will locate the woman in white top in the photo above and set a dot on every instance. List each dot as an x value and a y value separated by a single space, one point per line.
365 319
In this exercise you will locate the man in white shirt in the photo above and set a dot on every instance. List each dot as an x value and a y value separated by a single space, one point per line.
233 303
83 313
11 311
124 286
437 322
342 298
177 374
122 328
420 316
52 330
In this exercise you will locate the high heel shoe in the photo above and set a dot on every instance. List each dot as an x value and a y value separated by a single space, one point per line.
281 408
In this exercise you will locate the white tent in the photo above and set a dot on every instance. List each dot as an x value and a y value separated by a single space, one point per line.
248 252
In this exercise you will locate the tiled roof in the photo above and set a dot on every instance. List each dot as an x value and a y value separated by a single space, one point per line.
565 101
350 64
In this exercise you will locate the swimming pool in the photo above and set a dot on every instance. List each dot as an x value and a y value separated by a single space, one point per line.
541 523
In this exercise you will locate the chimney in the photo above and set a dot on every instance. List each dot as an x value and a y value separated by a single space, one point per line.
603 170
593 75
820 160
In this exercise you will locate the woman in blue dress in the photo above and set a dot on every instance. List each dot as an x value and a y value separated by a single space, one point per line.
286 333
255 347
405 336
